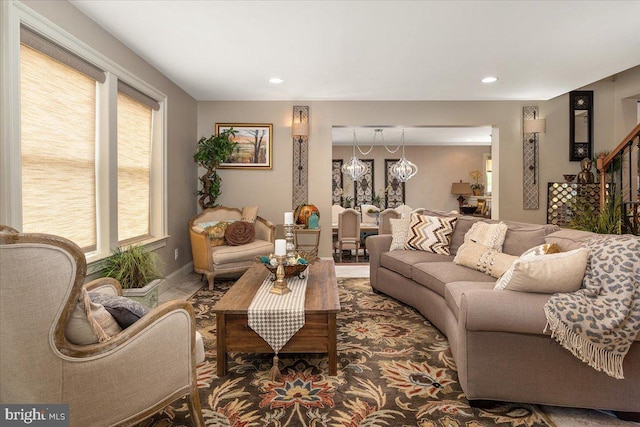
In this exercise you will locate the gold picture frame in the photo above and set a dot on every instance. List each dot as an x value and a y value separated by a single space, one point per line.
254 145
482 206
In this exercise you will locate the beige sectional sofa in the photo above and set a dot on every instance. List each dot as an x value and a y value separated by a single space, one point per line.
496 337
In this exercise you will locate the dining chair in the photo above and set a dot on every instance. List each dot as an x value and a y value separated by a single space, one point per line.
404 210
348 232
384 227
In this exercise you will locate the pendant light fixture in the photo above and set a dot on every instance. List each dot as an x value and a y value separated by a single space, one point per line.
404 170
354 168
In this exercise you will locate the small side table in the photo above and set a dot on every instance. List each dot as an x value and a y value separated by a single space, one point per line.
307 241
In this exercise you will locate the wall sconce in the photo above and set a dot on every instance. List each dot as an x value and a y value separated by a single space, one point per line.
300 131
461 189
534 127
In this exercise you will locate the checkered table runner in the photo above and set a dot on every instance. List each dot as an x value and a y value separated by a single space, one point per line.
276 318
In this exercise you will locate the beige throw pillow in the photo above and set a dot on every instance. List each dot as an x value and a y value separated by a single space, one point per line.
250 213
484 259
546 273
489 235
79 329
399 231
430 233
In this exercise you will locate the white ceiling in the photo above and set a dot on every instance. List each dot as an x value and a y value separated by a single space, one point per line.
376 50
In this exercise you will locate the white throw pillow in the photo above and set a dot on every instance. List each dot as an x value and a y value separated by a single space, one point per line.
490 235
547 274
430 233
484 259
399 231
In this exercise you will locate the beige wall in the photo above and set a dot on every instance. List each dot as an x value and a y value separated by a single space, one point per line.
272 189
438 167
181 124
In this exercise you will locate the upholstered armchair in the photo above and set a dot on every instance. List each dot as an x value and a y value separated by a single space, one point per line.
120 381
224 259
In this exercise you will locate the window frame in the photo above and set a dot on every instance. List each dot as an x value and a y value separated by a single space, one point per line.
12 15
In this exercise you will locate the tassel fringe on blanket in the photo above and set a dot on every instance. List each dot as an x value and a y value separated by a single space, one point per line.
274 373
598 358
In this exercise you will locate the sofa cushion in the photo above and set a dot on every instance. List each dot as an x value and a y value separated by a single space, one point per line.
402 262
453 293
547 273
249 213
569 239
522 236
399 232
430 233
435 275
125 310
232 254
489 235
484 259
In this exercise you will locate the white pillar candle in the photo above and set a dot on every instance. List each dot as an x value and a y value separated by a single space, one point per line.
281 247
288 218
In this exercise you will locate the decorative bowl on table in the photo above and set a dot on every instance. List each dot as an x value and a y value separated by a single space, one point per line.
293 267
569 178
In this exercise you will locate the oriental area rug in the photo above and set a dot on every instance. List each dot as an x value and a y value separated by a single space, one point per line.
394 369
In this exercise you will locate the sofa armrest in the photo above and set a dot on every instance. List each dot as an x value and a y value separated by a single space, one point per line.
503 311
376 246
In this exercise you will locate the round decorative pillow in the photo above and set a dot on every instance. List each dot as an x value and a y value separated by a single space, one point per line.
240 233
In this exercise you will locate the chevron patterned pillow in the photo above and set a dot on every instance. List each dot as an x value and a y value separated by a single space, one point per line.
430 233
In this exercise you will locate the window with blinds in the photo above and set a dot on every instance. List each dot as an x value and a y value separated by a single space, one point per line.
58 140
134 168
91 167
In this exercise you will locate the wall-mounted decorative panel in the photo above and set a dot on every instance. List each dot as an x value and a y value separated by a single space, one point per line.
336 182
363 189
300 177
395 195
530 186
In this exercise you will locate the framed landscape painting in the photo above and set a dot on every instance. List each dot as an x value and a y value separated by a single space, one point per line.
254 145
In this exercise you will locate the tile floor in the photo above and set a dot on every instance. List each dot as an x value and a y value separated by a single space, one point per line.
186 286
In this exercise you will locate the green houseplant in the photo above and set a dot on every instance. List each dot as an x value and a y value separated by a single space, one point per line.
587 217
209 154
137 270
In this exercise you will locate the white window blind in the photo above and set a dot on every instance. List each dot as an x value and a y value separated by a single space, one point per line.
134 168
58 138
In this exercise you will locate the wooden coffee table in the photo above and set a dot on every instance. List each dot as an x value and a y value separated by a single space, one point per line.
318 335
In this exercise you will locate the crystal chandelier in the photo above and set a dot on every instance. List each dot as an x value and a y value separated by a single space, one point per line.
354 168
404 170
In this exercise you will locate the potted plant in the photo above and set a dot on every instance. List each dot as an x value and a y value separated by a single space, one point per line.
476 187
588 217
137 271
209 154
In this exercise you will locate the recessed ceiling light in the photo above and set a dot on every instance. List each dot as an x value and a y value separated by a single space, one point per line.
276 80
489 79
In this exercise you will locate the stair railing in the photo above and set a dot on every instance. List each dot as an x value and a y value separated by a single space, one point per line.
615 162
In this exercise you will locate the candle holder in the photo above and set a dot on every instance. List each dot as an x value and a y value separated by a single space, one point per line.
288 236
280 285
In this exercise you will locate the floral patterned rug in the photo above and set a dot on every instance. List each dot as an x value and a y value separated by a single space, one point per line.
394 369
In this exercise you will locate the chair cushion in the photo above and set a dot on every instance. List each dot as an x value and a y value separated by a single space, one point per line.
233 254
250 213
79 331
125 310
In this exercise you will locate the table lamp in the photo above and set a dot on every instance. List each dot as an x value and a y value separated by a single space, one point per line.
461 189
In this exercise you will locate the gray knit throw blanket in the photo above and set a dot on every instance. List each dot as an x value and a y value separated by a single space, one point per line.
599 322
